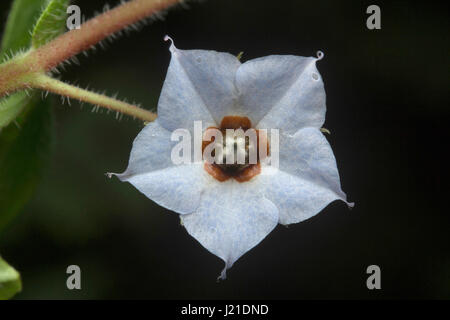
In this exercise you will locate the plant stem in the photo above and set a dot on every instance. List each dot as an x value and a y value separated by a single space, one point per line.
13 75
97 29
47 83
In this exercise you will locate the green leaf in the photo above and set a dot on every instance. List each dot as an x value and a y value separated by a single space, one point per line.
51 23
11 107
10 283
24 148
22 17
17 37
25 121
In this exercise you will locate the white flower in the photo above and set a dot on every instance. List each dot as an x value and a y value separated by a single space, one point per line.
230 217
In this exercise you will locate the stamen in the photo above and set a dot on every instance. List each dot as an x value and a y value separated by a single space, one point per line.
239 150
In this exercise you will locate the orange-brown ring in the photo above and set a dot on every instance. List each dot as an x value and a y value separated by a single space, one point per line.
246 174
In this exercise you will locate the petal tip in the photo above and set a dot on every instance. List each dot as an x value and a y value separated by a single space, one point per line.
172 43
223 274
121 176
320 55
109 174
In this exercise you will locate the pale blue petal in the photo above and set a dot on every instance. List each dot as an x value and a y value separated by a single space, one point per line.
151 171
307 179
282 92
178 188
297 199
232 218
151 150
199 86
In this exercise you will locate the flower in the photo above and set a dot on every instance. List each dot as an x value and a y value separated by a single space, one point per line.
230 211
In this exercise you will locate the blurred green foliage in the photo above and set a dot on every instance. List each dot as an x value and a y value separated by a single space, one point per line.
11 107
16 38
24 149
25 117
10 283
25 143
21 19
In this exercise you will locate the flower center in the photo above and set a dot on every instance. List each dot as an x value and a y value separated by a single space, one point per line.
235 148
237 155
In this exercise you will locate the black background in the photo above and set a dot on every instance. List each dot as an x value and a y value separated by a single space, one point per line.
387 109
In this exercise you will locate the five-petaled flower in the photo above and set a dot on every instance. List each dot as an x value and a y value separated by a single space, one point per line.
231 211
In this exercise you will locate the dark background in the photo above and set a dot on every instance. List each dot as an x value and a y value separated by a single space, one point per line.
388 111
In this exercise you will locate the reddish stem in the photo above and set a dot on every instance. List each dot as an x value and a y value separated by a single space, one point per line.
97 29
14 74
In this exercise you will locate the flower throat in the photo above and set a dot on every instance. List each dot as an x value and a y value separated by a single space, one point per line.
240 147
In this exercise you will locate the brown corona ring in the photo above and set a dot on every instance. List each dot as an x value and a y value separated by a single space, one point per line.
239 172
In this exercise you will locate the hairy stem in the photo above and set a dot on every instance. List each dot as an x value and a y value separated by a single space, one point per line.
97 29
47 83
14 76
